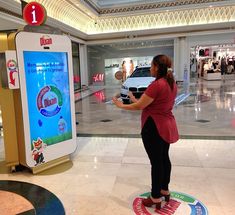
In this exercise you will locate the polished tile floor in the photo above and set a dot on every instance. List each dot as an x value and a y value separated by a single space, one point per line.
208 112
108 172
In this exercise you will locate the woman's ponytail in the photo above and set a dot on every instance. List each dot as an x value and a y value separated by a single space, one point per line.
170 78
164 69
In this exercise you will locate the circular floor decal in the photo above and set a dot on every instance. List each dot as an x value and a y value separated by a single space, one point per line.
12 203
42 200
179 204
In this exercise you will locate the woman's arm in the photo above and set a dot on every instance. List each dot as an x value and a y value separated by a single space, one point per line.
142 103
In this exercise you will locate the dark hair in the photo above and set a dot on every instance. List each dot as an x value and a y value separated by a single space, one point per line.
164 63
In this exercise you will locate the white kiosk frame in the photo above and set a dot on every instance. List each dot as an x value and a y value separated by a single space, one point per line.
27 41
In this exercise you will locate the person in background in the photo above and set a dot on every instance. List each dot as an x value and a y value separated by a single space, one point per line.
223 68
132 67
123 71
159 127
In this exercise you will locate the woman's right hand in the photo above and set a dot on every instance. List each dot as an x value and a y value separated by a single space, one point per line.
132 97
118 103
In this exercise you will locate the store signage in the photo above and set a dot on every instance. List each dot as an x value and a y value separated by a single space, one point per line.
98 77
12 70
34 14
45 40
179 203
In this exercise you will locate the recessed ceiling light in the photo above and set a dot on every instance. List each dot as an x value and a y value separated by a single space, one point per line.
211 6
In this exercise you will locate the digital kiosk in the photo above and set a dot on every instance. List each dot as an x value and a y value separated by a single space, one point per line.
47 97
36 94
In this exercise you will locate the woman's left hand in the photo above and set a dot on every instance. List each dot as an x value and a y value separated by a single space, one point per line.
117 102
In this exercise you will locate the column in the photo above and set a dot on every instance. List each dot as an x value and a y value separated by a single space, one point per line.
182 59
83 64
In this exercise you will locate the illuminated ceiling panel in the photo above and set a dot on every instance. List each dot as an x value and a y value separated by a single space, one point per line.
166 19
67 13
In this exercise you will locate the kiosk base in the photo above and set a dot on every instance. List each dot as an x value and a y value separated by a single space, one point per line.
50 164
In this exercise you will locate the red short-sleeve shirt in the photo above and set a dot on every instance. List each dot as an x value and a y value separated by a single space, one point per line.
161 109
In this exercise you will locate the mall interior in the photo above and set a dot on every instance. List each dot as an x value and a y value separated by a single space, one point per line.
65 148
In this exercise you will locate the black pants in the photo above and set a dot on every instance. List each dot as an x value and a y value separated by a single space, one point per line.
158 153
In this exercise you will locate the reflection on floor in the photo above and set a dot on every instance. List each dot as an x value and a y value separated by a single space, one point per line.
79 95
209 111
109 173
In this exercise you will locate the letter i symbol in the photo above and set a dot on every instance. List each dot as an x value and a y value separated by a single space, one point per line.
34 15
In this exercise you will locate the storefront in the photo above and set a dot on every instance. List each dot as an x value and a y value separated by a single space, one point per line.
210 62
125 65
212 57
107 59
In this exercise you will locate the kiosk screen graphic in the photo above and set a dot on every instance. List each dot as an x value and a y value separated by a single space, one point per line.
47 87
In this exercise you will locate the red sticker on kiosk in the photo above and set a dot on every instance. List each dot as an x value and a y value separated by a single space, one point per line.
34 14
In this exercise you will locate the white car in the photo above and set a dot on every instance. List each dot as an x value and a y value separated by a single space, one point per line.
137 83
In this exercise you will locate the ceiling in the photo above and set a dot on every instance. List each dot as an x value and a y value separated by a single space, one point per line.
93 20
115 3
9 24
124 46
112 7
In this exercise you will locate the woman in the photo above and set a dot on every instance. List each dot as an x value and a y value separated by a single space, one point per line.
158 126
131 67
123 71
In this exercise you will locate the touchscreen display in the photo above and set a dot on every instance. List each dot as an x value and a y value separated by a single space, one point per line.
48 96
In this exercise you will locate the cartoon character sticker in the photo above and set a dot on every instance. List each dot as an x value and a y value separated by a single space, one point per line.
62 126
37 151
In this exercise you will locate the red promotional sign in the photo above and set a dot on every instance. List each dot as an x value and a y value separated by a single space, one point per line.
98 77
34 14
45 40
